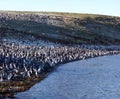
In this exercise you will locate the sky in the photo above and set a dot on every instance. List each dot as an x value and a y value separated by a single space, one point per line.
106 7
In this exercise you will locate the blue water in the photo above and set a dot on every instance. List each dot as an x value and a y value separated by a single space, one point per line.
97 78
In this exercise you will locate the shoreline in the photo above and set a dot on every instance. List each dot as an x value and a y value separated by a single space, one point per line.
16 86
62 54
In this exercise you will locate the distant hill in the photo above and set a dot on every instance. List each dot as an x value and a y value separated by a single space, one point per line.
60 27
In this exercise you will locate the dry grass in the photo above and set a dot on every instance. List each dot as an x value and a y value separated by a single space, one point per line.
9 88
67 14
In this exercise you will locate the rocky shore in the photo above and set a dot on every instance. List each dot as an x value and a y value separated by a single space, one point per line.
24 65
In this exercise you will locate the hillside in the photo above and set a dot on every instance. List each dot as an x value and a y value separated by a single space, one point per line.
60 27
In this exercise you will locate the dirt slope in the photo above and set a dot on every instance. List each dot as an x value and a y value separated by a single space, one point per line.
61 27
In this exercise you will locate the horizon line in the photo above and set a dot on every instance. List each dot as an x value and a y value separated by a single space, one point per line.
28 11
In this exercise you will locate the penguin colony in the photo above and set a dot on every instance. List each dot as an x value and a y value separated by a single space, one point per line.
18 61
